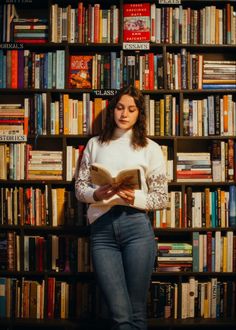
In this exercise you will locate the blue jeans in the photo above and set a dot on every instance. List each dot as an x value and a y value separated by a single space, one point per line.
123 253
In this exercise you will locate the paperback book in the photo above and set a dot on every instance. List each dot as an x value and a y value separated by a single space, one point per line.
101 176
136 22
80 75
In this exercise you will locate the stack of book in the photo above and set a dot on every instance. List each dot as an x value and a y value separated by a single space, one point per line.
194 166
30 30
175 256
13 122
219 74
44 165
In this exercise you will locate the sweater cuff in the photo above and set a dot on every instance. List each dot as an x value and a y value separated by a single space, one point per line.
140 199
89 196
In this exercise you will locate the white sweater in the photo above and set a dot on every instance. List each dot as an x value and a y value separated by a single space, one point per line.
116 155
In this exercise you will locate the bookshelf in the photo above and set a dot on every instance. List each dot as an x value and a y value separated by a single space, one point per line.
50 90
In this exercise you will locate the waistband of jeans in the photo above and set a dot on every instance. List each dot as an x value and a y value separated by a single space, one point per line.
128 209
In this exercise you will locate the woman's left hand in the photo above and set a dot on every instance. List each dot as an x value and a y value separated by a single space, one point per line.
127 194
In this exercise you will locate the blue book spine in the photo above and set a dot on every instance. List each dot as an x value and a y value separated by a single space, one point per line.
31 35
60 69
2 297
232 206
214 209
53 73
215 86
39 114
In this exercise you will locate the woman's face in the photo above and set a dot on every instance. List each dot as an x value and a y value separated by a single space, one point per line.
126 112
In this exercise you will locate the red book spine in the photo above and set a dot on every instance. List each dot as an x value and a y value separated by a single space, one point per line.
14 68
96 23
151 70
32 41
80 21
51 297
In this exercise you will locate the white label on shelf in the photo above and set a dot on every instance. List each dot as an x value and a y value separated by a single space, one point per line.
136 45
9 45
105 92
12 138
170 2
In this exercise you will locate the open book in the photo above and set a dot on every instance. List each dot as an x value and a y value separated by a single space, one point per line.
101 176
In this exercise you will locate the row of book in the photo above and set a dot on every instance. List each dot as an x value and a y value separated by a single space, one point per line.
162 116
26 69
87 116
198 209
67 254
209 252
199 299
21 68
57 299
90 24
195 209
213 115
54 298
141 22
51 299
30 206
77 116
197 71
184 25
114 70
214 299
214 252
210 209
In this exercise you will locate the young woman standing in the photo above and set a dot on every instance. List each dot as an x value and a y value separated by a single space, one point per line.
122 240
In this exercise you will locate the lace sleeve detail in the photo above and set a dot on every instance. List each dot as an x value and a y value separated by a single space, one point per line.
157 191
83 186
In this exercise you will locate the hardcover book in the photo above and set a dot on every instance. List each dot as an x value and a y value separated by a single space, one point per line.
136 22
80 75
101 176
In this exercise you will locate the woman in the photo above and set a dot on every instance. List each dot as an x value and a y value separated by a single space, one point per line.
122 239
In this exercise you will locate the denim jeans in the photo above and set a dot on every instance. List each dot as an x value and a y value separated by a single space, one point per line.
123 254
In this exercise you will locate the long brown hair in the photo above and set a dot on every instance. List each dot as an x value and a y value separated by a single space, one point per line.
139 136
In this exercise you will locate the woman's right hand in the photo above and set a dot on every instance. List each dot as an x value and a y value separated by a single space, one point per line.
104 192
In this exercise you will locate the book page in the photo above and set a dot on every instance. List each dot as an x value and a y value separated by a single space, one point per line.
101 176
